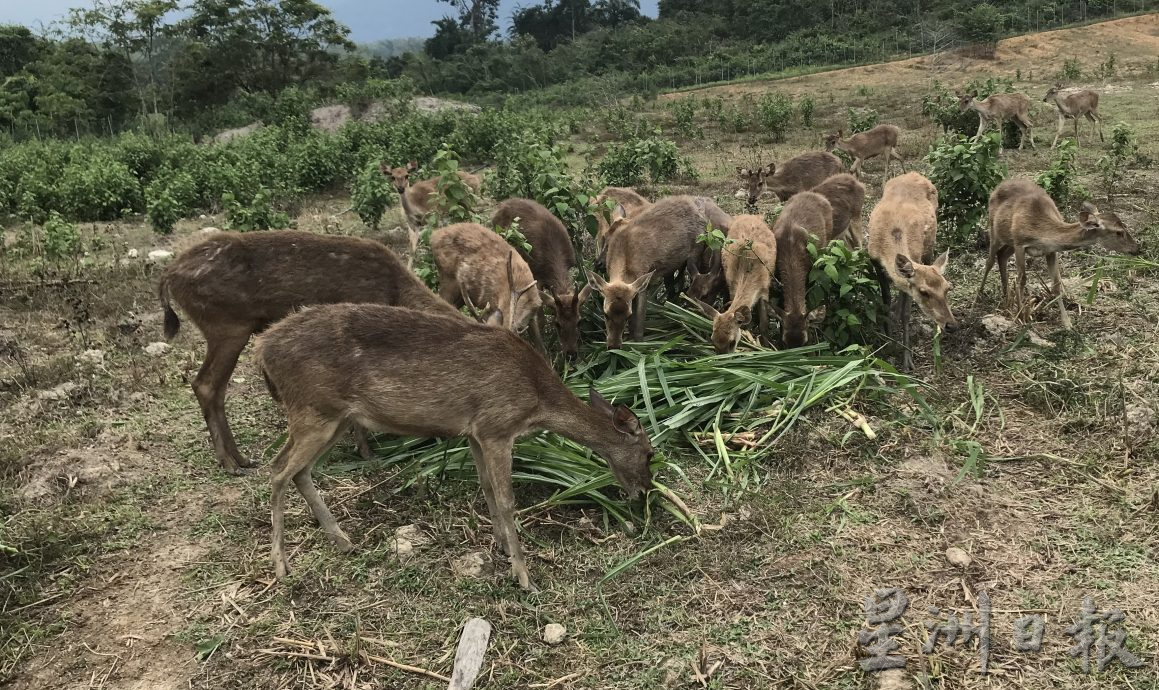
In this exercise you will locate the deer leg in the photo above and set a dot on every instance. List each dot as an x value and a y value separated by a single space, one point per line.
222 351
883 282
361 442
1060 293
488 486
537 331
307 440
904 301
450 291
1003 261
497 457
981 126
990 260
1096 122
1020 288
855 233
639 313
413 240
763 321
1061 125
1026 132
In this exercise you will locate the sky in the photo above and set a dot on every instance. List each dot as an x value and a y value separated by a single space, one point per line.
369 20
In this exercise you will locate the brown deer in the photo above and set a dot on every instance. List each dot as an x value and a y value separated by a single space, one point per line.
1075 105
902 231
998 108
551 259
847 197
629 202
796 175
403 372
1024 221
749 260
661 239
233 285
880 140
418 200
807 213
478 268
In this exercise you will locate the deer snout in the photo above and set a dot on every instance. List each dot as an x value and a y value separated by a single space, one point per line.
951 326
571 357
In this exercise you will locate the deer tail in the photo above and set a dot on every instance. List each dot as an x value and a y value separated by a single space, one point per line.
172 323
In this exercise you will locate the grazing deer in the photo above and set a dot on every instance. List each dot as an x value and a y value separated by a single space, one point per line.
1083 103
403 372
882 139
551 259
807 213
796 175
749 261
1024 221
477 267
847 197
661 239
998 108
232 285
629 202
902 231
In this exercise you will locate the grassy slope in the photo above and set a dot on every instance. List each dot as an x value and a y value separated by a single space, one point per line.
148 555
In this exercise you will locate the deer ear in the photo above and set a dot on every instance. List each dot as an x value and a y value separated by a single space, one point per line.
582 295
778 311
547 297
707 309
412 165
384 168
595 280
817 315
941 261
1090 208
770 169
905 266
625 421
495 318
742 316
598 402
641 282
619 212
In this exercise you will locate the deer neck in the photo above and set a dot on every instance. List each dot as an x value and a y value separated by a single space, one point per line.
575 420
1060 237
413 213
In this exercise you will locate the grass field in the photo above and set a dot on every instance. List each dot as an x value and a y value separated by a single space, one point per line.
151 569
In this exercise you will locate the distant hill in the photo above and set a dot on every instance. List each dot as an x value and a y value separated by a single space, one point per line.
389 47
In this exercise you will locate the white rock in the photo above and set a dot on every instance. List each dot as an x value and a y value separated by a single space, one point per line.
132 253
92 356
413 534
402 548
59 393
157 349
210 228
159 256
238 380
554 633
996 324
469 565
1037 340
958 557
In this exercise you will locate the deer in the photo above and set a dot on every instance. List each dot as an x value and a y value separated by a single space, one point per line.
418 199
902 233
477 267
628 202
1024 221
749 261
233 285
881 140
998 108
847 197
1073 106
551 259
661 239
796 175
401 371
805 214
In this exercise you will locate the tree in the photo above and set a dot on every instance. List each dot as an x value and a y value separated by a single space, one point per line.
979 25
18 48
477 17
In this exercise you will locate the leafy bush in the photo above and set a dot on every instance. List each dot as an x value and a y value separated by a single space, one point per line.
965 171
61 239
259 214
1060 180
806 106
775 114
169 198
842 279
861 119
684 112
1113 166
626 164
98 188
1071 70
455 201
1107 68
734 119
371 194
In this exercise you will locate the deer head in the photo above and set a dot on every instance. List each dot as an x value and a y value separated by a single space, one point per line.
754 180
704 285
1052 93
832 140
965 100
524 300
795 325
1108 230
927 285
726 327
567 316
630 461
399 176
618 298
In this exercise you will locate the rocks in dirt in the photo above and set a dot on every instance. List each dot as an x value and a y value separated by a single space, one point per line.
60 392
157 349
997 325
469 565
554 633
958 557
139 396
94 357
1037 340
160 256
406 539
209 228
1140 420
238 380
132 253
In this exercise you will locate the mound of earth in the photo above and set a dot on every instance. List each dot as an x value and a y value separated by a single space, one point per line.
330 118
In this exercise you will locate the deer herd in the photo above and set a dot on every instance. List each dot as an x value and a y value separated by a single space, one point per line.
349 337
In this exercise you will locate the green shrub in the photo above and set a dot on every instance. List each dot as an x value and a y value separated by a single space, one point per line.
775 114
371 194
1113 165
1060 180
965 172
61 239
169 198
734 119
259 214
1071 70
842 280
684 112
861 119
806 106
625 165
98 187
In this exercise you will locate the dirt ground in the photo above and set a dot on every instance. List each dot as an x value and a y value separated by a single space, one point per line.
140 565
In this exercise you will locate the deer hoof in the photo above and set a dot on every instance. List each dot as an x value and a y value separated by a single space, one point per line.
342 543
525 582
280 568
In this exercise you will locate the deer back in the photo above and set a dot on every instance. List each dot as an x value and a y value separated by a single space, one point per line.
803 172
661 238
807 213
256 279
874 141
904 220
629 199
477 259
847 197
749 260
552 255
1005 105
